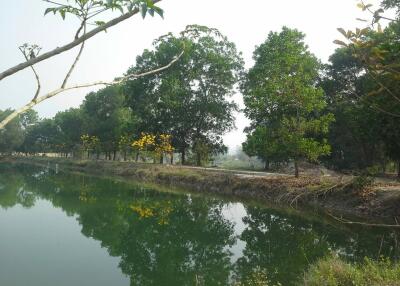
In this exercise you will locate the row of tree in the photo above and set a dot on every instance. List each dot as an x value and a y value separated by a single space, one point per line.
346 113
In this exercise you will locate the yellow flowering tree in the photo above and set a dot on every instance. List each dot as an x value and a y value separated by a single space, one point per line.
149 145
145 144
90 143
164 146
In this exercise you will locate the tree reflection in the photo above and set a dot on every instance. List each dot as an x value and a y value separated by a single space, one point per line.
164 238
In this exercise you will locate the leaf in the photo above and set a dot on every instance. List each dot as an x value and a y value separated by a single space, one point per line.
341 43
364 31
159 11
99 23
143 10
343 32
62 13
48 10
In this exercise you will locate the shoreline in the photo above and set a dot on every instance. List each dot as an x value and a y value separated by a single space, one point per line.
327 194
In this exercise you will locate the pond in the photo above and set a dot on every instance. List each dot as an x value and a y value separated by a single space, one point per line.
68 229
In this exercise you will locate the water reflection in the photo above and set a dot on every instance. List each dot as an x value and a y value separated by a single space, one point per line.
164 238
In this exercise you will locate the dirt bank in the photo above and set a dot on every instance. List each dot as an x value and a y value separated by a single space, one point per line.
336 194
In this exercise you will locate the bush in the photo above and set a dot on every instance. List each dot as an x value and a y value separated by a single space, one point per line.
362 182
333 271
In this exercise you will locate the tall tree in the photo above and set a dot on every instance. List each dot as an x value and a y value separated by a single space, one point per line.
283 102
107 117
190 101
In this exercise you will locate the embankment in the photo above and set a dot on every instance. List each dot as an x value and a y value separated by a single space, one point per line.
330 194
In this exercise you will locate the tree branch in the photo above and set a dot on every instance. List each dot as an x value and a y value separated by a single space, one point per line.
71 45
345 221
36 76
31 104
77 57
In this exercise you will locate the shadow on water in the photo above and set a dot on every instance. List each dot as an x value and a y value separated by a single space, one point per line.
163 238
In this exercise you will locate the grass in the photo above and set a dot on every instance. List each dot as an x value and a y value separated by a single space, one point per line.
332 271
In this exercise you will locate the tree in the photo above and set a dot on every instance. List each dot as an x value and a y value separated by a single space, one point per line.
283 102
107 117
190 101
71 125
87 11
12 136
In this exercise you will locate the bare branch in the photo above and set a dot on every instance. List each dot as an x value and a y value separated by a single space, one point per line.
71 45
34 72
31 104
77 57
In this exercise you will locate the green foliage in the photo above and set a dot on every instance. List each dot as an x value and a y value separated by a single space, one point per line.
12 136
88 9
106 117
190 100
283 103
332 271
363 96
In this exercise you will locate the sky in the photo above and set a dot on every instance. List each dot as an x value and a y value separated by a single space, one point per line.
109 55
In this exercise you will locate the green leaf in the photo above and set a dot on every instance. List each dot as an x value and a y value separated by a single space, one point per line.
143 10
99 23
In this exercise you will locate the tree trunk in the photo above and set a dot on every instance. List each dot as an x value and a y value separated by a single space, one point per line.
137 157
183 159
162 159
296 168
266 165
125 155
172 158
384 166
198 159
398 169
98 155
88 154
114 155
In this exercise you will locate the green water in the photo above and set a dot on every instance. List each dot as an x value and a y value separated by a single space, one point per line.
65 229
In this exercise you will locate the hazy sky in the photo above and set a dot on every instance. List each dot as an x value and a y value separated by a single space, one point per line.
110 54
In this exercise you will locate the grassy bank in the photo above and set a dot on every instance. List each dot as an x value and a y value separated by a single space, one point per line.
333 271
329 193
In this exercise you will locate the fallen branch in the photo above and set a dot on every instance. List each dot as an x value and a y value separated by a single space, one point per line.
53 93
344 221
70 45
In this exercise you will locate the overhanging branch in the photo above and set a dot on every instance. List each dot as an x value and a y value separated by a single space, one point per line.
71 45
31 104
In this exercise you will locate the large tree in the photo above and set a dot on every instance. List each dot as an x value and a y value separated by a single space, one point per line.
283 102
190 101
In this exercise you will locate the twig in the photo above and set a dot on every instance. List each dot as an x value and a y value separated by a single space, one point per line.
31 104
36 76
70 45
363 223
